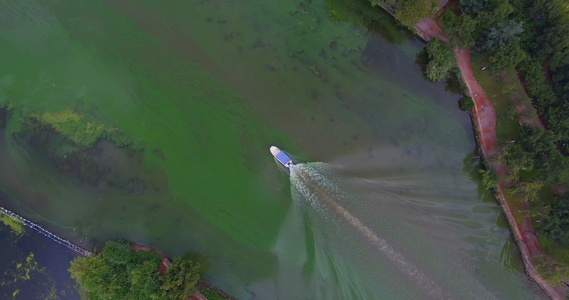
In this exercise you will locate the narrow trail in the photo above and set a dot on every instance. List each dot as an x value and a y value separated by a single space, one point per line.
485 119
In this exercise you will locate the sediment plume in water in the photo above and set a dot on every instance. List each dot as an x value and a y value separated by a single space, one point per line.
311 181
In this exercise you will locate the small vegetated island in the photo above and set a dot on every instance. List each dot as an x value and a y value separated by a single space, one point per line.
520 59
66 141
125 271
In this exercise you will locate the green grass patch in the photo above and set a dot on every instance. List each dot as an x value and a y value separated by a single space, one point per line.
554 272
515 203
506 92
501 89
558 252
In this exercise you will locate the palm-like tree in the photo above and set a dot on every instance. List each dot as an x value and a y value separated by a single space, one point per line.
501 34
472 7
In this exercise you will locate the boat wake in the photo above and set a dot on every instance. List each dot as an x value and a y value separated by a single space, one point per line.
312 183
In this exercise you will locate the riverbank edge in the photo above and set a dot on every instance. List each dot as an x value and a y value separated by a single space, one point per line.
428 29
488 150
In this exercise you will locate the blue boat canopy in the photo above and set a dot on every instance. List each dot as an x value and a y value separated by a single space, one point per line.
283 158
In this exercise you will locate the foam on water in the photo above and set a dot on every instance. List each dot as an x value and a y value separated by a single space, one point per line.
313 183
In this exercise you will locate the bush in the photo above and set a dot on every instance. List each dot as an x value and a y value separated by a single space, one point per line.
181 278
507 57
441 60
466 104
489 179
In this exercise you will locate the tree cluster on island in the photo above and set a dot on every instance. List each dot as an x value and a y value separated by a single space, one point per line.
120 272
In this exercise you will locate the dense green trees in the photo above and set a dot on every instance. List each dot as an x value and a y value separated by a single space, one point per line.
460 30
119 272
441 60
507 57
472 7
553 111
500 36
181 278
410 12
557 224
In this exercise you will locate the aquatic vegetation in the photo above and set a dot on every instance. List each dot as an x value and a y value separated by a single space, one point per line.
27 274
74 126
23 271
75 146
16 226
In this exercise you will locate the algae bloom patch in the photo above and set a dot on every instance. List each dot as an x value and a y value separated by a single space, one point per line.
81 131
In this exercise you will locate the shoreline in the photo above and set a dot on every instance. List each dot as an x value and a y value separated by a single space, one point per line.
484 121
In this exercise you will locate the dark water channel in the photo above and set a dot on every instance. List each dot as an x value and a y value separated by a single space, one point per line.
202 89
34 267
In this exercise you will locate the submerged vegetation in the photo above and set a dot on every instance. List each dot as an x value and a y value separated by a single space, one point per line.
120 272
82 132
73 145
16 226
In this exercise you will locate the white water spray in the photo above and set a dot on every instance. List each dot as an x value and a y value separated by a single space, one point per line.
312 182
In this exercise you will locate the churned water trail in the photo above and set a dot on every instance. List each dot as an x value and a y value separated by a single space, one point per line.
311 181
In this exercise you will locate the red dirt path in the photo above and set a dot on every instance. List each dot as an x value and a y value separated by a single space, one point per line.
429 29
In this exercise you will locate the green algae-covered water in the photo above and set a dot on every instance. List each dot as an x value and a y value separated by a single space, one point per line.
202 89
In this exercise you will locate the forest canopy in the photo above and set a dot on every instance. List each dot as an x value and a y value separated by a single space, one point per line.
119 272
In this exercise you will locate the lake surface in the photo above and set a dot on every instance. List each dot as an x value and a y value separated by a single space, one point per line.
203 88
34 267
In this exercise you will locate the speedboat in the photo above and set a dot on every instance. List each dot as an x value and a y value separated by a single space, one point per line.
282 157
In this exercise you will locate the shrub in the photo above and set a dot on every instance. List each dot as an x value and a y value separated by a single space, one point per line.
181 278
441 60
466 104
489 179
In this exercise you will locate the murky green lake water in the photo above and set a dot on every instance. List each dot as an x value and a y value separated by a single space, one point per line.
203 88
